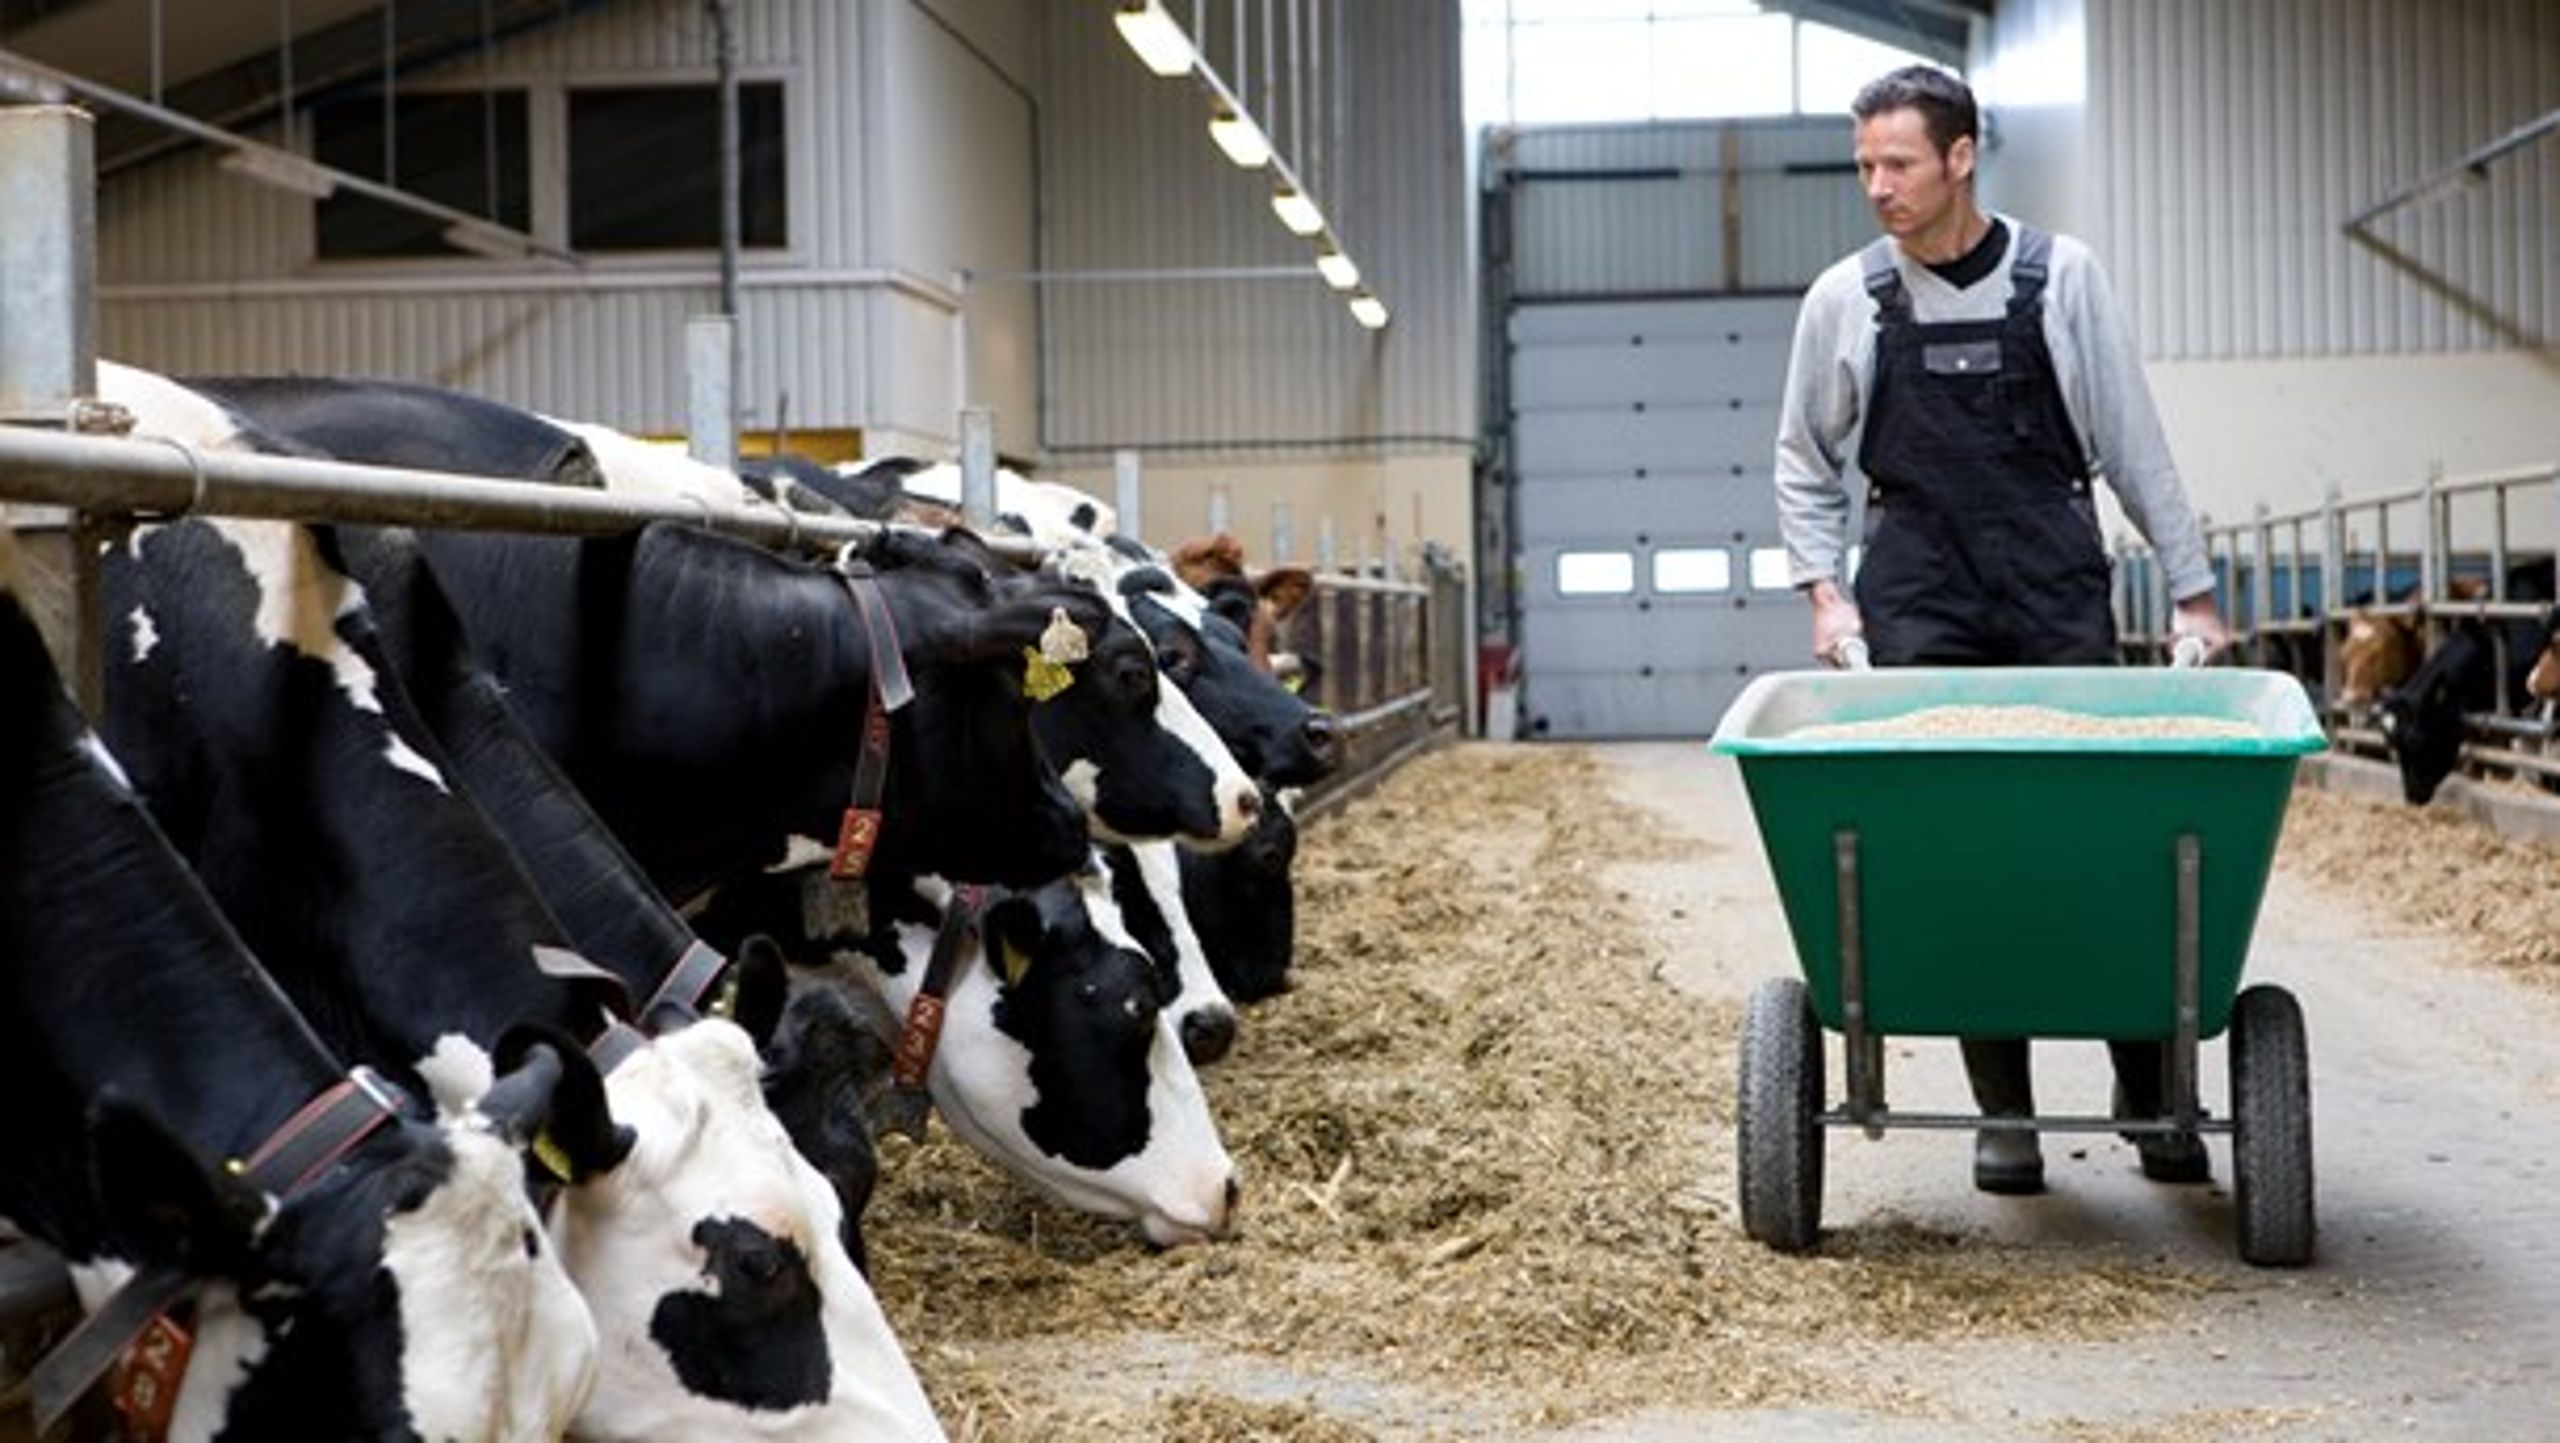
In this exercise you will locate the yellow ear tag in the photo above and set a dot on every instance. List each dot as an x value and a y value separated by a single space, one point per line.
554 1159
1043 678
1017 964
1062 640
1294 682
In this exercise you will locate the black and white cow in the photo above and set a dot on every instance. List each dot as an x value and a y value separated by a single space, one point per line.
254 697
1108 1116
710 702
394 423
1243 906
2422 718
392 1282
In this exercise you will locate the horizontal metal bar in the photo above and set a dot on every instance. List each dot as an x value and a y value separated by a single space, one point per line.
1384 711
2474 166
1141 274
2039 1124
1352 581
151 477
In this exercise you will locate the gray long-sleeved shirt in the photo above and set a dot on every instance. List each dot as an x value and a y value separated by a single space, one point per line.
1823 418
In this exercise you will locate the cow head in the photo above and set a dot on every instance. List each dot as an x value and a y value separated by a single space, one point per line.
1244 907
1214 566
2422 718
408 1292
1274 735
715 1262
2542 683
2377 654
1057 1062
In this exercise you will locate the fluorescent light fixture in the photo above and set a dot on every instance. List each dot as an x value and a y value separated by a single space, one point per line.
1160 43
1240 138
494 241
1369 311
1296 212
281 170
1337 270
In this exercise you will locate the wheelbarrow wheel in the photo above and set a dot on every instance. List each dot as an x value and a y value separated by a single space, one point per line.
2271 1128
1779 1152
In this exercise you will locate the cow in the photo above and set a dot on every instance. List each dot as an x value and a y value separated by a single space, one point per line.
1243 907
1109 1116
641 705
363 1272
2542 682
2422 719
396 423
2377 653
794 482
255 700
1258 604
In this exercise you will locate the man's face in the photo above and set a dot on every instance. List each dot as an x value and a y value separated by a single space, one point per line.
1910 185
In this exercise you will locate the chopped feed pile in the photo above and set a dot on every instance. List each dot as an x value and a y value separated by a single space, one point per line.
1487 1157
2021 723
2434 870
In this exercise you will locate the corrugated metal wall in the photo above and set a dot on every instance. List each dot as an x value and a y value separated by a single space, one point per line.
1131 181
2231 141
1637 209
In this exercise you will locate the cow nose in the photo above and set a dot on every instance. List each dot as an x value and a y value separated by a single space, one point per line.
1324 740
1208 1034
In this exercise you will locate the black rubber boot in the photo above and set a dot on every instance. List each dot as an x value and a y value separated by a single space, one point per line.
2005 1161
2166 1156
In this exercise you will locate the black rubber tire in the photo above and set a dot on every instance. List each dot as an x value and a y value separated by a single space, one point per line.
1778 1152
2271 1128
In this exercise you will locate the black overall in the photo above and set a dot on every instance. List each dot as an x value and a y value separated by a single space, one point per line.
1982 540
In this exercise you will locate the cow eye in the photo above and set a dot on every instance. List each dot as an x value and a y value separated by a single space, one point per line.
1180 658
1137 678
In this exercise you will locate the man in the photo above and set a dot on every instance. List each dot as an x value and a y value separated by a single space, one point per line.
1975 373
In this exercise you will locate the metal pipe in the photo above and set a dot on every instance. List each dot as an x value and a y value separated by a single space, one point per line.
725 58
1126 494
159 478
2473 167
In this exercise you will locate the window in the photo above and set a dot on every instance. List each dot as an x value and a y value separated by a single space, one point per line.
1545 62
465 149
1692 568
1768 568
644 167
1595 573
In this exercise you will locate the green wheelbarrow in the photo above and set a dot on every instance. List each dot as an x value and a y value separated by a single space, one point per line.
2039 886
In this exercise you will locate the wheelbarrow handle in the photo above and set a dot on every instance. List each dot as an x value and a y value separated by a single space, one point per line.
1849 653
2187 651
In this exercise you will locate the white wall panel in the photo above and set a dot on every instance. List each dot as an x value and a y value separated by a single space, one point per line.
2231 140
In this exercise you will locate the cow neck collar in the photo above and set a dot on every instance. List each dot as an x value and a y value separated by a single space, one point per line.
912 1061
136 1333
694 982
890 688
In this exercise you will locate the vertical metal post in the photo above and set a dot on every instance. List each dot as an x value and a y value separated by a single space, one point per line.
2432 576
724 41
2262 586
1221 507
1863 1051
710 366
49 330
1284 538
978 466
2182 1047
1125 495
1325 553
48 262
2333 599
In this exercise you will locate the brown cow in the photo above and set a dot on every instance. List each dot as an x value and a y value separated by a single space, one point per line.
2379 653
1215 564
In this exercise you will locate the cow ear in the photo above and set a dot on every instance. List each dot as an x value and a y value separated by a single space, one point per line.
1234 601
550 1099
763 982
1285 587
1000 632
161 1197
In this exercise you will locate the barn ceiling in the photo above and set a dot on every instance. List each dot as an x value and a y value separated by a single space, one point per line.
224 61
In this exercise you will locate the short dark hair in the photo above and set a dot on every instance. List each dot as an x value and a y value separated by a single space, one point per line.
1944 102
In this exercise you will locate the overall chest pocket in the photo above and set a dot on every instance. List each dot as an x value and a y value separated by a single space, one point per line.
1961 358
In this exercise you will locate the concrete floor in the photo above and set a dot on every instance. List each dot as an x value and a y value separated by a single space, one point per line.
2433 1309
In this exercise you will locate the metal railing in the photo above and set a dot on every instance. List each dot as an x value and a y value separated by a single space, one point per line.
2290 584
1389 659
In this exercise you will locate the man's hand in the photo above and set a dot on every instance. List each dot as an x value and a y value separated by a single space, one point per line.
2196 617
1835 619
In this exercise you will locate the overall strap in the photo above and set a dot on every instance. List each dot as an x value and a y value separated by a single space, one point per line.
2028 273
1884 282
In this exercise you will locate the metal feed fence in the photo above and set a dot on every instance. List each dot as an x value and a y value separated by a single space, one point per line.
2291 582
